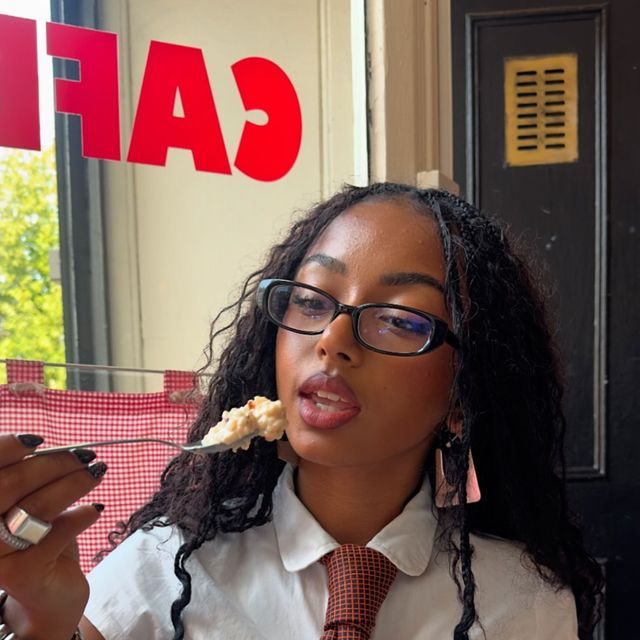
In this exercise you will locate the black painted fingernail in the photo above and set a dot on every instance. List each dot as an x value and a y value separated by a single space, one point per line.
84 455
97 470
98 507
29 440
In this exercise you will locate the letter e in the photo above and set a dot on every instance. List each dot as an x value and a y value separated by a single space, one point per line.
95 96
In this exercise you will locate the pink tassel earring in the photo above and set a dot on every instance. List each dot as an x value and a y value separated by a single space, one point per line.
446 495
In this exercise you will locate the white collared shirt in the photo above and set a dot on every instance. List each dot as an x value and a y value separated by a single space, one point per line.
266 583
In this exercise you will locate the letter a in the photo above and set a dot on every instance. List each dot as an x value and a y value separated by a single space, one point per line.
172 68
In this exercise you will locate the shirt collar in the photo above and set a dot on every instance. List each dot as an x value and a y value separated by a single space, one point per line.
407 541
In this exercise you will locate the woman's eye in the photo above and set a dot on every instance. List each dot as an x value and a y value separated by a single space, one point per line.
414 325
310 304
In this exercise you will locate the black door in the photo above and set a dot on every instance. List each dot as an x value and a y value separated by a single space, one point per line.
547 136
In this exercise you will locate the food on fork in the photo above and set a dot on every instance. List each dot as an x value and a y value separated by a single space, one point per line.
260 416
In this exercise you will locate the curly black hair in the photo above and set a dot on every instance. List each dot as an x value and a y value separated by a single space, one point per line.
507 389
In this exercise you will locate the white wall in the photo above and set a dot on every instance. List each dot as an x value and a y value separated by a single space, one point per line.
410 102
180 241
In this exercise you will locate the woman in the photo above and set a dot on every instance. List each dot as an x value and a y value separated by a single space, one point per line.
400 327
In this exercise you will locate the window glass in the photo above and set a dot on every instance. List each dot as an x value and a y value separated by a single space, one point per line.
31 322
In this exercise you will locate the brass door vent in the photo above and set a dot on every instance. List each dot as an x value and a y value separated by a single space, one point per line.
541 109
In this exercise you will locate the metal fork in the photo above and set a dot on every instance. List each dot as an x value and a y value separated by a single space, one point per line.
189 447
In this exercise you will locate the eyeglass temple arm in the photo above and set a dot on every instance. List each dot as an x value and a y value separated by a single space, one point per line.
452 339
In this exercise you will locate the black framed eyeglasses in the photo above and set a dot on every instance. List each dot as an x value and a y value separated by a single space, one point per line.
386 328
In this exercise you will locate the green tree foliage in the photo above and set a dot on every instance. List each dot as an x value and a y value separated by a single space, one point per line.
31 325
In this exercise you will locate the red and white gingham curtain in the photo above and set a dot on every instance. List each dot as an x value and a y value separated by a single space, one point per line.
65 417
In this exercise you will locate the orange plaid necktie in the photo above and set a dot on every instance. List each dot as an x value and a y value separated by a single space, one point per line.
359 580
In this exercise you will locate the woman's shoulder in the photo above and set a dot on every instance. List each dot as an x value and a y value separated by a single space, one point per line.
154 542
159 545
497 558
496 549
507 578
133 588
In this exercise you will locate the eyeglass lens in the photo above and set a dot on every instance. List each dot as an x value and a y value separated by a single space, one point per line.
381 327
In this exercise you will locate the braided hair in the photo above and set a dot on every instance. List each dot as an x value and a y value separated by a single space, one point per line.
507 389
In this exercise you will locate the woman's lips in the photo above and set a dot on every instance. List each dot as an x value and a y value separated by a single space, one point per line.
327 402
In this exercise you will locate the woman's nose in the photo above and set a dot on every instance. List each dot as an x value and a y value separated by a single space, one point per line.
337 342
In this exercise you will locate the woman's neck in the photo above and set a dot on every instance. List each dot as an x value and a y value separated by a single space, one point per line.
354 503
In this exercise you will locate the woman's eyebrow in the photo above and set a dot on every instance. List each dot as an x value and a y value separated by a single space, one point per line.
333 264
395 278
410 277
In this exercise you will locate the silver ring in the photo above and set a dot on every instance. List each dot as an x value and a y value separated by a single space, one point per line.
11 540
6 633
20 528
25 526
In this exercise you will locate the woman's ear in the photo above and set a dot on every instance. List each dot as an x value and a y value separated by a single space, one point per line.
454 422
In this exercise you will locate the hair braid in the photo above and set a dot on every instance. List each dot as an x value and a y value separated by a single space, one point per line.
456 240
184 576
468 601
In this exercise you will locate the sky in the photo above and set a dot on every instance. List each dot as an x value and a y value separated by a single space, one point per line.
39 10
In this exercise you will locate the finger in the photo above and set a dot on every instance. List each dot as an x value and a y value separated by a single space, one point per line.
27 476
40 558
66 528
15 447
50 501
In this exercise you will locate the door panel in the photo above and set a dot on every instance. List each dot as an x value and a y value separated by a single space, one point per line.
581 218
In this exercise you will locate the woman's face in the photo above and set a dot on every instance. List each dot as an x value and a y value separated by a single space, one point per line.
347 405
